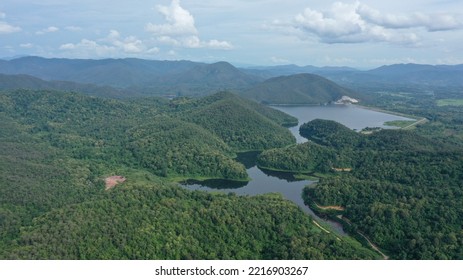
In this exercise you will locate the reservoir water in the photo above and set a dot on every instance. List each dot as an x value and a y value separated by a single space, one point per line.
263 181
352 116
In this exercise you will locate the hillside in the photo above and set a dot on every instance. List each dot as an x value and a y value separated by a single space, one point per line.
11 82
220 74
399 188
116 131
296 89
268 72
172 148
57 149
387 75
146 77
109 72
329 133
435 75
159 221
238 123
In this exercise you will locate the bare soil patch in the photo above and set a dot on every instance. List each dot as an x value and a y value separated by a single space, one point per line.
332 207
112 181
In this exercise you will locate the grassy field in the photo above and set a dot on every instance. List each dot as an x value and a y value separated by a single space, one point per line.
450 102
400 124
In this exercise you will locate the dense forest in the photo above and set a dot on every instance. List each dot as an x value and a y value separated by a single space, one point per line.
296 89
57 149
165 222
401 189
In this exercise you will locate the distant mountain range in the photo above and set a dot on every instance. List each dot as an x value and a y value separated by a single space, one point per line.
275 84
397 74
9 82
144 76
292 69
296 89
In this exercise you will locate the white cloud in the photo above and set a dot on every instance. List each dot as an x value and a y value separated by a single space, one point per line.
431 22
5 27
26 45
50 29
215 44
279 60
111 45
180 29
179 21
73 28
88 47
128 45
357 23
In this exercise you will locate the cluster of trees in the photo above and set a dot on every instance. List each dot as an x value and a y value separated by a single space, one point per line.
150 133
296 89
58 147
445 121
170 148
239 124
166 222
329 133
304 158
404 190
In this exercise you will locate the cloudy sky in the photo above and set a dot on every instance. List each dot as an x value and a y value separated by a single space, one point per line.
363 33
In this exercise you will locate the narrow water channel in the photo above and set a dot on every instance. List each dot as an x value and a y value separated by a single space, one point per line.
263 181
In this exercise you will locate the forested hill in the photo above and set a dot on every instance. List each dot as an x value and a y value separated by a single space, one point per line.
297 89
141 76
219 74
110 72
244 125
11 82
57 149
387 75
195 139
401 189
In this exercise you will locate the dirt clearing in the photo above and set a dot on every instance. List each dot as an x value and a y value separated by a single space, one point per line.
112 181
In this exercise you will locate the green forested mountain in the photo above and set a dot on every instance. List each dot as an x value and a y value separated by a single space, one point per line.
57 148
171 148
385 76
329 133
137 134
133 76
216 75
238 123
109 72
303 158
165 222
401 189
296 89
12 82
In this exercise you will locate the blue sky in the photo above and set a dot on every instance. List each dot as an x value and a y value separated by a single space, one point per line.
364 34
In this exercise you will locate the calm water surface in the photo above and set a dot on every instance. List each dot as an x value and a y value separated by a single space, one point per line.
352 116
263 181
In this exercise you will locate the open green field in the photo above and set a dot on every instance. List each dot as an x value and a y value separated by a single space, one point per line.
400 123
450 102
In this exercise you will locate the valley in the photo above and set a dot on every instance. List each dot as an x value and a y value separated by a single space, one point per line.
92 157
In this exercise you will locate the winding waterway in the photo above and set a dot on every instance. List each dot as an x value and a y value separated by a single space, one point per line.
263 181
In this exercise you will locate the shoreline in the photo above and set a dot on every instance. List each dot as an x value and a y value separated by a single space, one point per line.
376 109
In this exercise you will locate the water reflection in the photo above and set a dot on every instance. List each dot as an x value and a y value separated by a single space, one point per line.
265 181
218 184
352 116
262 182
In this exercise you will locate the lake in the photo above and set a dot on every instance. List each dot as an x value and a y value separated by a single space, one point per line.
352 116
263 181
